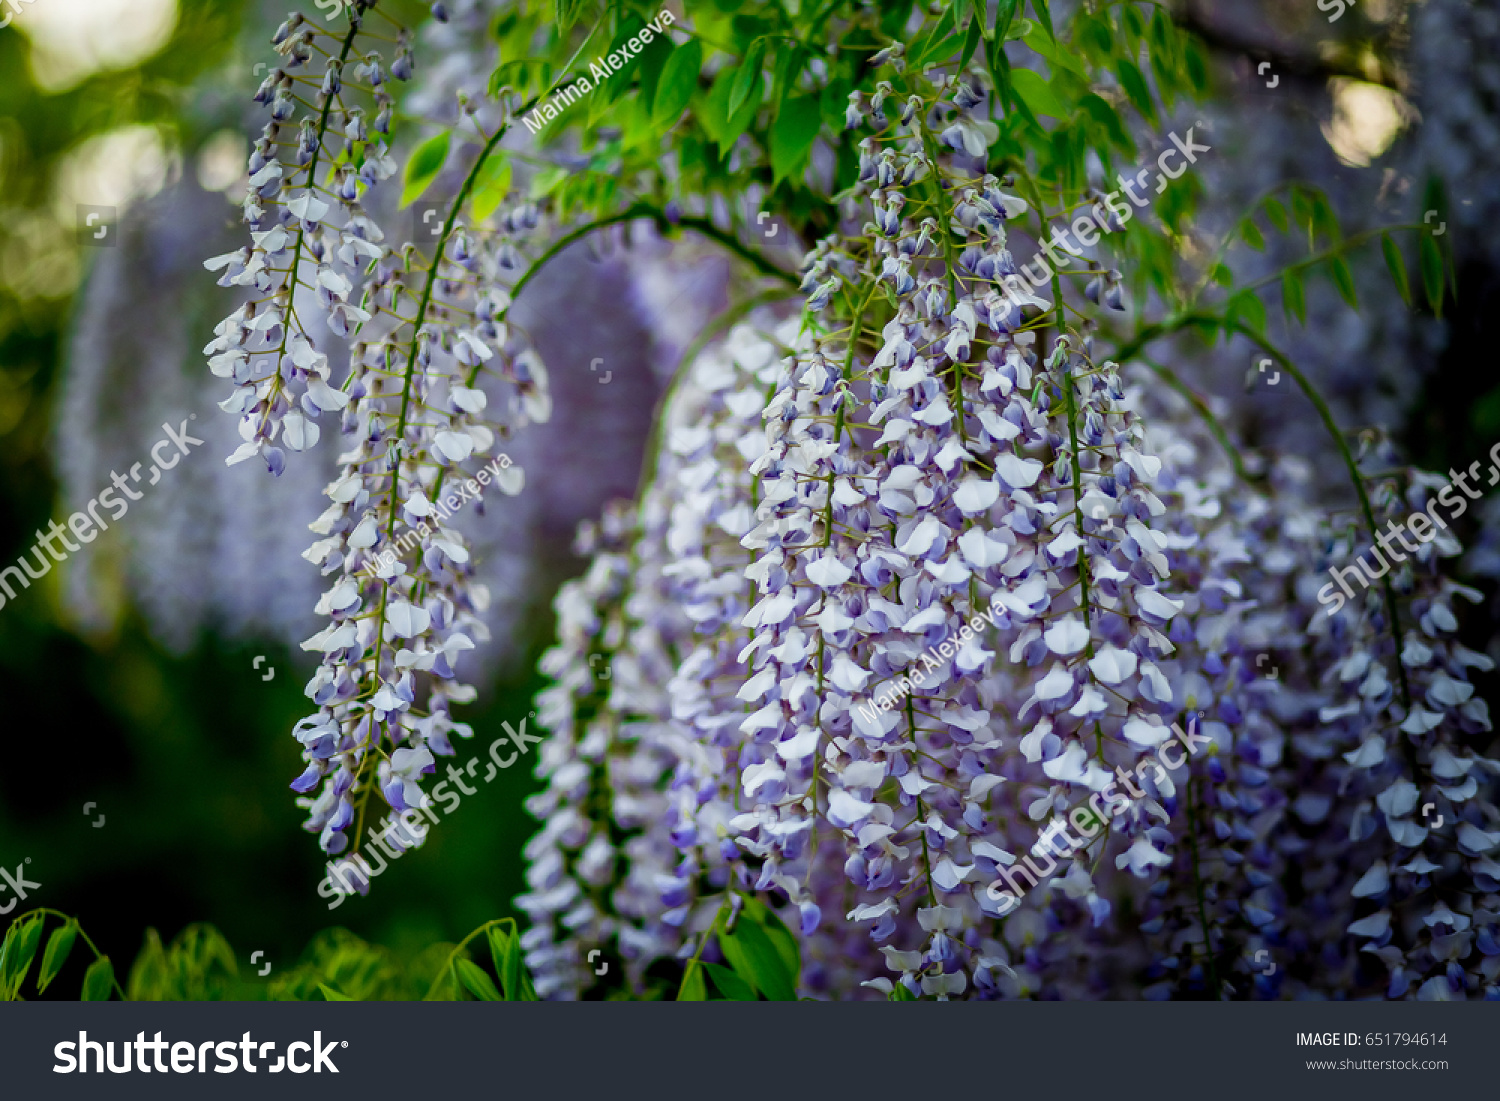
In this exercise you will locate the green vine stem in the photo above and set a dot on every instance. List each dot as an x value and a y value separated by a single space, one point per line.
450 966
1326 414
1193 398
693 964
1150 333
1208 946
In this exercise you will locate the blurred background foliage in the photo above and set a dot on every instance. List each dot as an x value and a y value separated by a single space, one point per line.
186 754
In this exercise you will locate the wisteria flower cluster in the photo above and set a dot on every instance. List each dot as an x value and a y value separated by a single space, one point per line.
924 579
435 381
1053 561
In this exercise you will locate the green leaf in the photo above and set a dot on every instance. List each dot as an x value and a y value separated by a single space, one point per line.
781 936
1251 233
1435 199
922 48
423 167
59 944
894 16
1160 31
899 993
567 12
1293 295
1304 209
1222 275
679 79
477 982
1486 418
505 952
1165 81
1058 56
979 10
1019 29
1104 113
1343 279
747 28
1277 213
1431 262
1248 307
748 78
1045 15
491 185
741 120
1005 14
971 40
20 949
1324 220
739 959
615 84
759 961
1038 94
332 995
444 988
792 136
148 974
789 64
1096 33
1135 87
714 115
1396 264
98 981
693 988
730 985
1000 72
1197 69
650 64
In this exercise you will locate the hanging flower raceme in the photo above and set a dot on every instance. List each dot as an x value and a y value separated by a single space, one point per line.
310 237
434 388
642 759
1416 840
924 506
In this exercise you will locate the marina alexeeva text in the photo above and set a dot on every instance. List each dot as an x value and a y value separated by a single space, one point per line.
934 659
601 70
